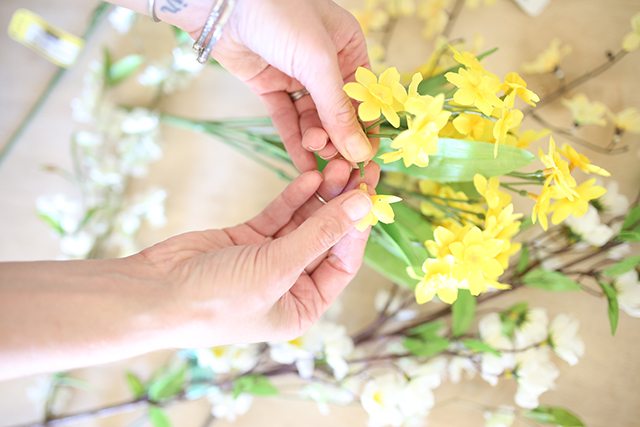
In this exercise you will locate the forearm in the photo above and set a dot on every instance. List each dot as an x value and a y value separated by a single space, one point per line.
57 315
188 15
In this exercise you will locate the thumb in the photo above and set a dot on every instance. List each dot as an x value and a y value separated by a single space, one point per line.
292 253
336 111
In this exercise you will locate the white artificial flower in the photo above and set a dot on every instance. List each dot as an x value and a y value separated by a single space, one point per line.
490 327
88 139
614 202
226 407
324 339
459 366
566 343
492 366
77 245
152 76
326 394
185 60
535 374
619 252
84 107
401 314
533 330
428 374
140 120
65 212
228 359
628 288
589 228
501 417
392 400
122 19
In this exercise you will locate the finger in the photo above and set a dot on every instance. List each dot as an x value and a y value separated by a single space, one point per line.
285 119
328 152
290 254
314 139
336 175
371 178
281 210
335 109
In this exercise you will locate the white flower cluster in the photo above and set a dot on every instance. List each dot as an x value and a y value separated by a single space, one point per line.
173 74
525 353
628 291
326 340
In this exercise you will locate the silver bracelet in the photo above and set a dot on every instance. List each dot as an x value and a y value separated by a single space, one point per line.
215 22
151 5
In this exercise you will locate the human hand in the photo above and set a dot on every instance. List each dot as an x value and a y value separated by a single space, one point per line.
281 46
273 276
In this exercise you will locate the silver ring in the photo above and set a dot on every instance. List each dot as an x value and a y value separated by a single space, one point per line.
298 94
320 198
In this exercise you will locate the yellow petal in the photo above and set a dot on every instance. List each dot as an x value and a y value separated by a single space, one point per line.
368 112
356 91
365 76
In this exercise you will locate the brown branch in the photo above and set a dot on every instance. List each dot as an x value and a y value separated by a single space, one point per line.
453 17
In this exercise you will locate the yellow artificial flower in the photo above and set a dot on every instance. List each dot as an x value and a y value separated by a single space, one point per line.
529 136
441 279
585 112
372 19
380 211
377 95
489 189
468 59
442 238
557 169
442 199
631 40
509 119
434 15
541 209
420 140
579 205
627 120
580 161
399 7
513 86
548 60
474 126
475 88
504 225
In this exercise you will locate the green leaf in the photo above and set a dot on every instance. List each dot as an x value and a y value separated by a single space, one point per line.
432 347
51 222
258 385
158 417
463 313
478 346
512 317
554 415
378 257
458 161
428 330
622 267
613 310
413 252
630 236
167 384
124 68
523 261
414 222
135 385
550 281
632 220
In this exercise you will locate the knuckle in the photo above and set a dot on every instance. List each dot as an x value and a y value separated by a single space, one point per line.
343 112
329 230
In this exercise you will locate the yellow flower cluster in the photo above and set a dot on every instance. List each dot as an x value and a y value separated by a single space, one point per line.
469 256
386 96
586 112
479 88
443 204
631 40
560 194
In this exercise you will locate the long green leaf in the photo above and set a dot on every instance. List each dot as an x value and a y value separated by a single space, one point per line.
613 309
167 384
258 385
623 266
463 313
555 416
158 417
136 386
458 161
550 281
377 256
432 347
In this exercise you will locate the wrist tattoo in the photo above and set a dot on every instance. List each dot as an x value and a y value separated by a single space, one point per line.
174 6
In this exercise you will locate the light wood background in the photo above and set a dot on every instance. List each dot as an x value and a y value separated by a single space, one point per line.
210 185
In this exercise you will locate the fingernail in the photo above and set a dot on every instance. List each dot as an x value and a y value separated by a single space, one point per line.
357 206
358 148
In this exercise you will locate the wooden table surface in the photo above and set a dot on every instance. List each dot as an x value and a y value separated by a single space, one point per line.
210 185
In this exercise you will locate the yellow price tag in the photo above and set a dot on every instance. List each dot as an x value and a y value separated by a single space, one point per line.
54 44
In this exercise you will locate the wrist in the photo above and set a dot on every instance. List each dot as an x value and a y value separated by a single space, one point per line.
189 16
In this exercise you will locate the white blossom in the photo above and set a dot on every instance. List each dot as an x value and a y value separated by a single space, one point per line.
619 252
501 417
326 394
628 288
152 76
533 330
392 400
566 343
77 245
324 339
228 359
122 19
589 228
614 202
535 374
84 107
227 407
459 366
